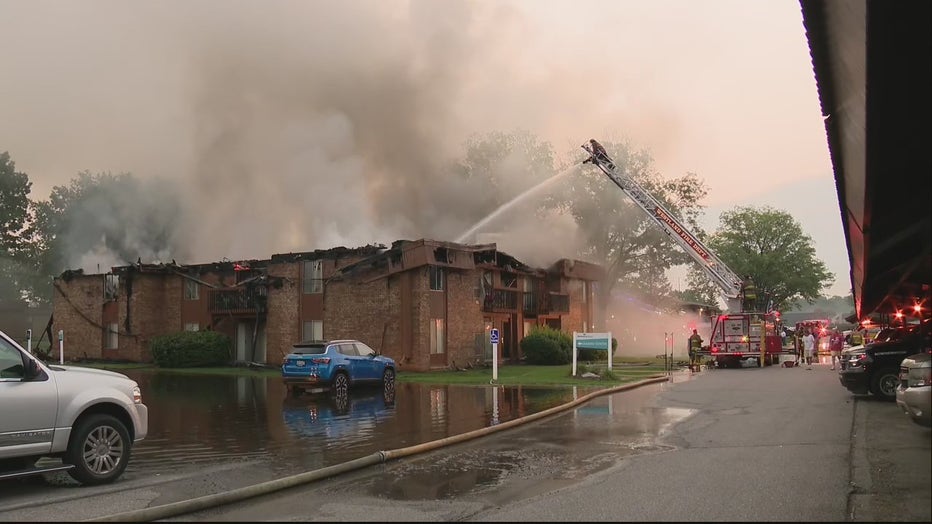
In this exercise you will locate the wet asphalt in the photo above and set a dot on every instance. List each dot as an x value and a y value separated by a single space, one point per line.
753 444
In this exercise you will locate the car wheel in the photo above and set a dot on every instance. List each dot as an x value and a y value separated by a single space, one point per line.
884 382
388 377
99 450
340 384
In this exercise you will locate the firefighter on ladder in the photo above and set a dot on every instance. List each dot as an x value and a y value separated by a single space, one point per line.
749 294
598 154
695 345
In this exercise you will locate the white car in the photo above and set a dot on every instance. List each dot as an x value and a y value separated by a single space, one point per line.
914 392
87 418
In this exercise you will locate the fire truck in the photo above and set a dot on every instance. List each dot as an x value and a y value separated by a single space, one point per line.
736 335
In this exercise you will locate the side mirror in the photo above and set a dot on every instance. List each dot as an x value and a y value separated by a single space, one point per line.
32 370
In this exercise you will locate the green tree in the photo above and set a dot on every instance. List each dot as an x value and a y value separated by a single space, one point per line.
619 235
15 262
771 247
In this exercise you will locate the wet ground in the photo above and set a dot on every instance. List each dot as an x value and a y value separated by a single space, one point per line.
204 419
724 445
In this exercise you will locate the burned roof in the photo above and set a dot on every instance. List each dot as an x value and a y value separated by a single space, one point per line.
330 254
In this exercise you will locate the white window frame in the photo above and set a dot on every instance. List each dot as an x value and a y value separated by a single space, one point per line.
113 336
438 344
312 330
192 326
437 277
313 275
192 290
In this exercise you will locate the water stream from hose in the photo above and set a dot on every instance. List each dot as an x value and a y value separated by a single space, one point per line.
513 202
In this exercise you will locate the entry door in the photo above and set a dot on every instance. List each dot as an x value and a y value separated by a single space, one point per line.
508 336
244 349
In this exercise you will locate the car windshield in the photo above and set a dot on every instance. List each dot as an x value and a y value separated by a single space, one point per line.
315 349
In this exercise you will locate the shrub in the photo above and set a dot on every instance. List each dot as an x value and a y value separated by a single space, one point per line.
547 346
191 349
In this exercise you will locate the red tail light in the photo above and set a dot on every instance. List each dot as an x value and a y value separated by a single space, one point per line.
321 360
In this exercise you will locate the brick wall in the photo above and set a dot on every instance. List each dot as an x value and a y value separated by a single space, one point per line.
464 316
154 309
363 311
282 328
573 321
76 307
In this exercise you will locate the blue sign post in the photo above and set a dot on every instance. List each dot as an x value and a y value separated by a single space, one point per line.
494 338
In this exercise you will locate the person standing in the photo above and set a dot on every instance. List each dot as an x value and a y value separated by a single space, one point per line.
749 293
695 346
834 346
809 348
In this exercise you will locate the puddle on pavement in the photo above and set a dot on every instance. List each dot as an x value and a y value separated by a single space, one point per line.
536 458
209 419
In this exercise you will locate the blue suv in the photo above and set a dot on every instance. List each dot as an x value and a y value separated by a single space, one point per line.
335 365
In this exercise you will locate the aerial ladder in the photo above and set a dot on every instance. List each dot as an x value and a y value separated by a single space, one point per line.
737 334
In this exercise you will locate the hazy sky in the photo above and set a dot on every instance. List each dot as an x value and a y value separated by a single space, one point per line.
308 124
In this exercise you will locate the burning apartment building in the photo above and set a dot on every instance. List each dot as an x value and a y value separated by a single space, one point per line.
427 304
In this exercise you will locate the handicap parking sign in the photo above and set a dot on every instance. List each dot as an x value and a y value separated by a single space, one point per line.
493 336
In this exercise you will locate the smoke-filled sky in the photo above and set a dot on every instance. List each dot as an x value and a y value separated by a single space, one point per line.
299 125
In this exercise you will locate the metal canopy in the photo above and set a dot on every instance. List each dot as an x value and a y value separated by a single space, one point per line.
872 67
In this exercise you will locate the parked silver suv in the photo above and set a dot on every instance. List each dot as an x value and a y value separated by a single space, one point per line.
87 418
914 392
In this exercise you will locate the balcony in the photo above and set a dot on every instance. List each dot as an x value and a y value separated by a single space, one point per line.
240 301
531 306
501 300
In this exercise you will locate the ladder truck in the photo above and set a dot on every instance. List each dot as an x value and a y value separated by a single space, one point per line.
737 334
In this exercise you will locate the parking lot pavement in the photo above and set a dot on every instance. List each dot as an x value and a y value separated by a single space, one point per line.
749 444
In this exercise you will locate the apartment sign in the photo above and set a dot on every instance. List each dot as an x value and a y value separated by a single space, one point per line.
688 238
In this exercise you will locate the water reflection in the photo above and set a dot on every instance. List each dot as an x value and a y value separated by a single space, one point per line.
205 418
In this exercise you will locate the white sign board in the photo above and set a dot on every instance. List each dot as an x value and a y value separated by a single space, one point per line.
597 341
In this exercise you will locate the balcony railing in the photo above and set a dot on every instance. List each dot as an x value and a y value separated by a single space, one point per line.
501 300
237 301
531 304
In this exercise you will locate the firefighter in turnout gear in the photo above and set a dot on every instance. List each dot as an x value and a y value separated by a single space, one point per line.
695 345
749 294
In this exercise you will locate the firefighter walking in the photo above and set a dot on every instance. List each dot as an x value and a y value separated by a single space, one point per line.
695 346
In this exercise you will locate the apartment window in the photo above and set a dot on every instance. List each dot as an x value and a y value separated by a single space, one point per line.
509 280
191 290
313 277
192 326
437 338
111 286
113 338
313 330
436 278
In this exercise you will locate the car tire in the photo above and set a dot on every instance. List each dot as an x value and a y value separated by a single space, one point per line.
884 382
388 377
340 384
99 450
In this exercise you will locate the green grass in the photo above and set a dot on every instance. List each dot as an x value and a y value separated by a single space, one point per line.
624 370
